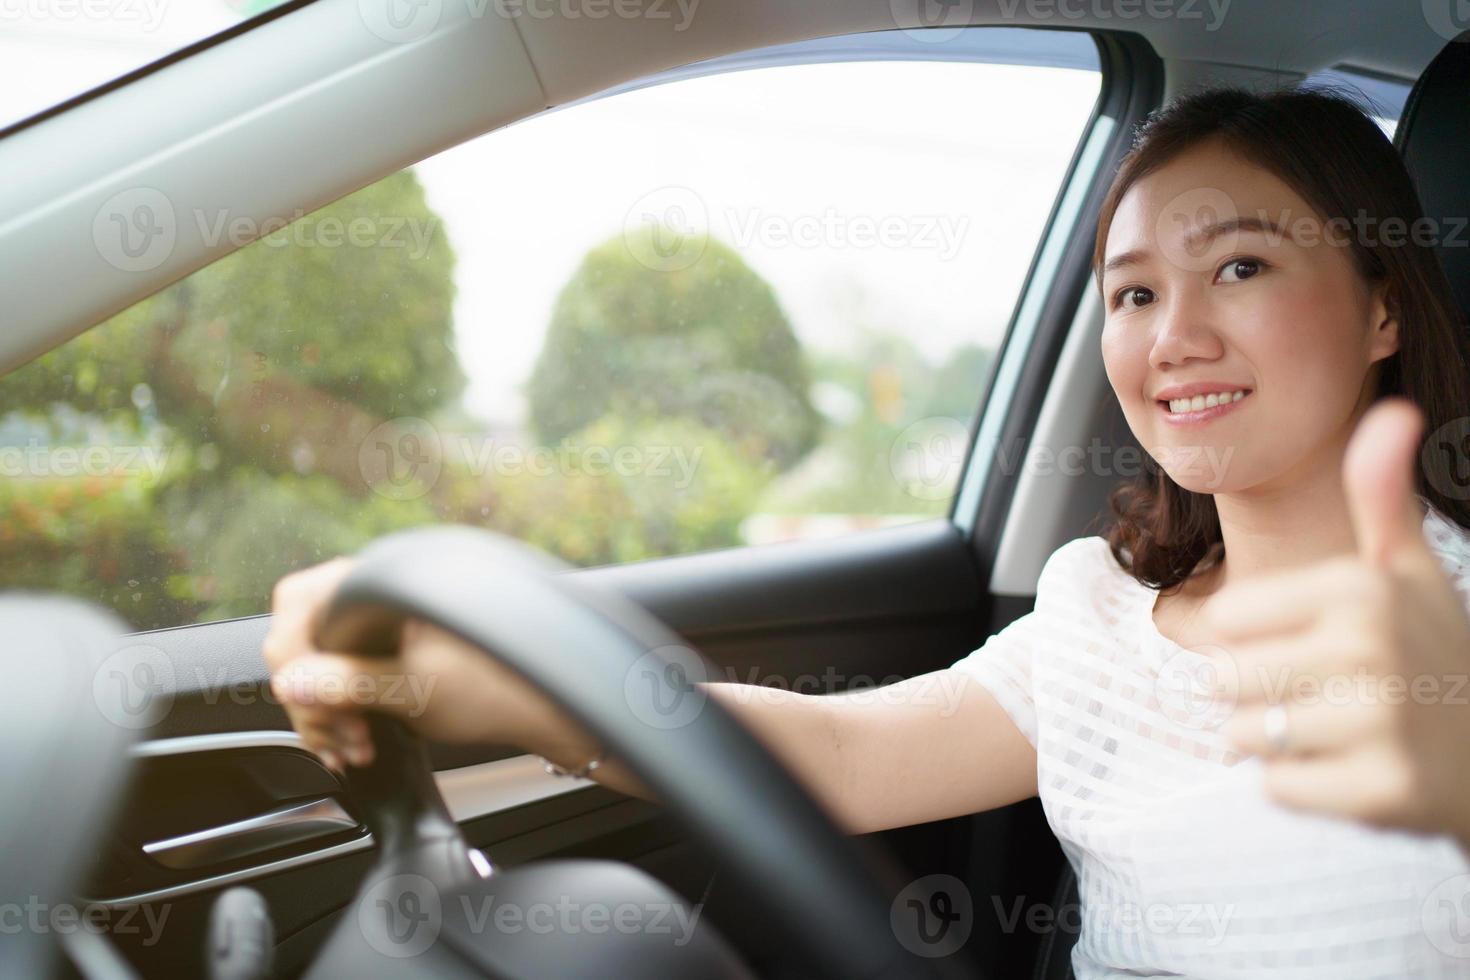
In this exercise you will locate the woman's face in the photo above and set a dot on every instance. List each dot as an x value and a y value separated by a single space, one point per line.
1219 279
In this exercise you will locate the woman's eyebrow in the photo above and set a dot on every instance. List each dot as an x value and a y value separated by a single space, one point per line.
1200 238
1196 241
1131 257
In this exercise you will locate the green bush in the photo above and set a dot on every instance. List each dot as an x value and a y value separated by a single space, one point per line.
708 342
688 492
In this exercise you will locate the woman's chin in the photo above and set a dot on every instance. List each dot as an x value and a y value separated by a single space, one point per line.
1198 485
1199 467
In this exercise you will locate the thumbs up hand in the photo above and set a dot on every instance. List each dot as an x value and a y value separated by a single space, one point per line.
1367 657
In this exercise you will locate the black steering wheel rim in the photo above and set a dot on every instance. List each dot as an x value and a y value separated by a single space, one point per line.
590 651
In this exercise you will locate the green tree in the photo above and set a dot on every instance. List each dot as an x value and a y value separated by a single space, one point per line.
707 341
687 490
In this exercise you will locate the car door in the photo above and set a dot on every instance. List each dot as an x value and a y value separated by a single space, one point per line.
757 341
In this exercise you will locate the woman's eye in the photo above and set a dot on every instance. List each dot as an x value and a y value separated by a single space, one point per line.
1134 296
1239 269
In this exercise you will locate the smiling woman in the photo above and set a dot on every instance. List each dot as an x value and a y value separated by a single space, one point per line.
1251 321
1271 249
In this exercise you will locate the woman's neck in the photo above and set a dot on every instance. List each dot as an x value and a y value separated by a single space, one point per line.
1274 529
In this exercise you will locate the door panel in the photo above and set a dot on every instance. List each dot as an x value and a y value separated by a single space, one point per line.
898 601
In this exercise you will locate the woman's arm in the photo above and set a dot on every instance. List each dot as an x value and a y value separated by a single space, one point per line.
930 747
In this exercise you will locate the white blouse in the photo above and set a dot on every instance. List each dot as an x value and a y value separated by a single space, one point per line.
1184 866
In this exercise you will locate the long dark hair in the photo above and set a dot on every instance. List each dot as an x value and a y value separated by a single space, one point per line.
1327 149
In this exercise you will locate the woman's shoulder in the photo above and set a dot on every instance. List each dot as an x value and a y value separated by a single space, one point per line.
1451 544
1089 555
1081 567
1444 535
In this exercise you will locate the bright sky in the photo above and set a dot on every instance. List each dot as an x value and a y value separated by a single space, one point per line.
798 168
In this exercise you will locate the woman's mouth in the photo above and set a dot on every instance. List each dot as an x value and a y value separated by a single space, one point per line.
1201 408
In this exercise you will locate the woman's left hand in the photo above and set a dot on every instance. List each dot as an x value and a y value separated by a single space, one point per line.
1368 656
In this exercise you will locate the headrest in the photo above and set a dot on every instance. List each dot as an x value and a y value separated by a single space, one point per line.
1432 138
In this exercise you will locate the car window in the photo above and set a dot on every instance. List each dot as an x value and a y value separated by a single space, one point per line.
731 308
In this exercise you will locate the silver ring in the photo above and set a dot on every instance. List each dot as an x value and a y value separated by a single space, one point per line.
1277 737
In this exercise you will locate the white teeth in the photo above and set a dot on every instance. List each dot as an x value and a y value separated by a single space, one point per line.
1200 402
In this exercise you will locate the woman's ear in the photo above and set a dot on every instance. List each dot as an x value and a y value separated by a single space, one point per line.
1383 322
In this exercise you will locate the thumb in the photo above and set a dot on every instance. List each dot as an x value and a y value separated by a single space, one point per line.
1378 477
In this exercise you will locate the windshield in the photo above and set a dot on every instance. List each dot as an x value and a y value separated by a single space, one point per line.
52 50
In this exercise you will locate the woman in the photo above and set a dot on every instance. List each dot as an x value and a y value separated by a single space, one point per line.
1256 306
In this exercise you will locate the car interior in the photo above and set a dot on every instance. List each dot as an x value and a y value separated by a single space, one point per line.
305 103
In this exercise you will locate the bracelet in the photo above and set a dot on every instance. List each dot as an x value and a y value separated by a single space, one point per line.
553 769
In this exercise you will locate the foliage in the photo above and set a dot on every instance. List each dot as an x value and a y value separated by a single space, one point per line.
677 400
260 378
686 489
707 342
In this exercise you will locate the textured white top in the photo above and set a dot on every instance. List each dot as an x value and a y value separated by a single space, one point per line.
1184 865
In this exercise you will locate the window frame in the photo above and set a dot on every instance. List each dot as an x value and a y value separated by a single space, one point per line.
1132 85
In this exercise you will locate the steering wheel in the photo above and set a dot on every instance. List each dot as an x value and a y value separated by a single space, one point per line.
630 682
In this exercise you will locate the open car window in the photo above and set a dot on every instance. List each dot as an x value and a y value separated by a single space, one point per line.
732 308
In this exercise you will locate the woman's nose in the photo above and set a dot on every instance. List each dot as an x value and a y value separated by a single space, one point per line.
1184 330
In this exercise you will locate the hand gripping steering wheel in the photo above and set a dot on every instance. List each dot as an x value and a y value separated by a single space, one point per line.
628 680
